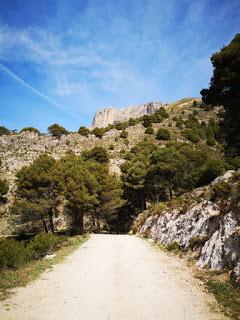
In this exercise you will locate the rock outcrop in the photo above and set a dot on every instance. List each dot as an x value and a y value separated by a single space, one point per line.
213 235
107 116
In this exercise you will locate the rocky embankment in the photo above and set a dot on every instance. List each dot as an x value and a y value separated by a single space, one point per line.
207 227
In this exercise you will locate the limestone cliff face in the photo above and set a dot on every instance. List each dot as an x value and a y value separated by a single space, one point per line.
211 234
107 116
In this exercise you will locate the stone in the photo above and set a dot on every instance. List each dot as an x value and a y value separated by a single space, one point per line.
215 234
111 115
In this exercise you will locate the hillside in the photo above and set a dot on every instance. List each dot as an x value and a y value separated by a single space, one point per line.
21 149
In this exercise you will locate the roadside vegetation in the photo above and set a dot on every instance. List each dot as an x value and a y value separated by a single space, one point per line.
23 261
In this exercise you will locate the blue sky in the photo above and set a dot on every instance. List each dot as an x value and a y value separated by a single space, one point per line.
62 60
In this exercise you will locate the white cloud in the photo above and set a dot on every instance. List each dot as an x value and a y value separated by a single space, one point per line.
19 80
111 53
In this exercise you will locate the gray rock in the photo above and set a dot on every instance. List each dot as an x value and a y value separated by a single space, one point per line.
204 228
107 116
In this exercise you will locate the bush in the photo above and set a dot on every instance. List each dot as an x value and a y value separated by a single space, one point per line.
149 130
211 141
30 129
98 132
56 130
191 134
83 131
121 125
13 254
221 190
42 244
4 131
162 112
211 171
132 122
173 246
197 241
97 153
3 188
124 134
192 122
146 121
234 162
163 134
195 104
179 124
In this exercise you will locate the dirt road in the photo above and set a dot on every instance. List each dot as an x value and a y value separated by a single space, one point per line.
113 277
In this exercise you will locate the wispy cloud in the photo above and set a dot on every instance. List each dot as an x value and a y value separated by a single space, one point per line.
119 53
19 80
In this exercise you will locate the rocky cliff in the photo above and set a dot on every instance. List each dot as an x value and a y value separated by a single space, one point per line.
200 224
107 116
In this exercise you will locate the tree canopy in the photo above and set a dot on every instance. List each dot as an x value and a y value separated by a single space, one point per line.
224 90
30 129
83 181
56 130
4 131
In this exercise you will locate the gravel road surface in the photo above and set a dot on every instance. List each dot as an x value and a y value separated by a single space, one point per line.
117 277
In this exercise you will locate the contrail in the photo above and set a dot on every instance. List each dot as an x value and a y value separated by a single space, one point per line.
26 85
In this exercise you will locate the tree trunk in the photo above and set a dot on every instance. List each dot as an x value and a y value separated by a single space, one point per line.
51 223
78 223
170 193
45 225
142 201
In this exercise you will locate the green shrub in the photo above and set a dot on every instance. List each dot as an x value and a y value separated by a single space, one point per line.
3 189
132 122
98 132
13 254
147 122
192 122
211 170
128 155
30 129
121 125
211 141
4 131
179 124
83 131
42 244
194 104
56 130
197 241
221 190
162 112
149 130
173 246
163 134
234 162
124 134
228 296
97 153
191 134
